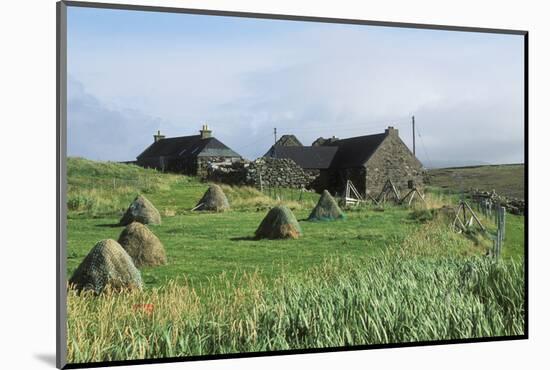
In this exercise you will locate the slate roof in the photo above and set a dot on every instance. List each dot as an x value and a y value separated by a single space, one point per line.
307 157
355 151
342 153
188 146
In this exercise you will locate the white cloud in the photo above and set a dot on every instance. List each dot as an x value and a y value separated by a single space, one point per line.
97 132
325 80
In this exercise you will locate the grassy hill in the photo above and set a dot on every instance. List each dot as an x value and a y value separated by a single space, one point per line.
504 179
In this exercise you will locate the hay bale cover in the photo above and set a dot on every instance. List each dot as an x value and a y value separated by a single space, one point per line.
213 200
142 245
279 223
107 265
326 209
141 210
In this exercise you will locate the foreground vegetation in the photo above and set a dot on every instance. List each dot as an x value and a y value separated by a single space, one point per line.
338 303
388 275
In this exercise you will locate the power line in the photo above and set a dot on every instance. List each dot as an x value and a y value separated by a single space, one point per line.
255 142
424 148
342 128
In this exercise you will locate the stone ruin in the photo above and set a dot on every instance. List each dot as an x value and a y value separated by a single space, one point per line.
262 172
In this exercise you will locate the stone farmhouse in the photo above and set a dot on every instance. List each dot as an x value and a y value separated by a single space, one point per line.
190 155
368 161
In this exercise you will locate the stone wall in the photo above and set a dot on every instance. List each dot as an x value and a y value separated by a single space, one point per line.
228 173
314 180
276 172
515 206
393 160
273 172
204 165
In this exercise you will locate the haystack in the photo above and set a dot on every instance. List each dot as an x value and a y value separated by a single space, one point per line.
142 211
142 245
326 209
279 223
213 200
107 266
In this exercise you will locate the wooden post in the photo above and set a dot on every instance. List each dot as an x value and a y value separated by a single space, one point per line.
474 216
503 223
261 183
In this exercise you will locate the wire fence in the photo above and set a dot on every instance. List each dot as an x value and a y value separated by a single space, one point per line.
497 213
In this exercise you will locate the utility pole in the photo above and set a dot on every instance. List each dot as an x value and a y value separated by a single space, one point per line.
275 142
414 138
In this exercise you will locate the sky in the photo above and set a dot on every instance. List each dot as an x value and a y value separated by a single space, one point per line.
131 73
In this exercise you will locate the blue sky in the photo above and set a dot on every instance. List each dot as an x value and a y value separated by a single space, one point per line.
132 73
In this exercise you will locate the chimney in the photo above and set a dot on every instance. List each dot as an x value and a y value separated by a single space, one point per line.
391 131
158 136
205 132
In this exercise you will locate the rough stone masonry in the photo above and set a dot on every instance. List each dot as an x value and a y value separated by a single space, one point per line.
262 172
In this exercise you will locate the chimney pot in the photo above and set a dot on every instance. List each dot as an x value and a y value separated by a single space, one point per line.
391 131
205 132
158 136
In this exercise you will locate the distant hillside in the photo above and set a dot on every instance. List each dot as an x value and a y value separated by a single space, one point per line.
433 164
505 179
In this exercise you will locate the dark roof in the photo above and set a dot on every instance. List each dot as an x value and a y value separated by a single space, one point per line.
307 157
320 141
355 151
188 146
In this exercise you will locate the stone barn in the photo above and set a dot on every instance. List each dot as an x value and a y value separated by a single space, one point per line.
189 155
368 161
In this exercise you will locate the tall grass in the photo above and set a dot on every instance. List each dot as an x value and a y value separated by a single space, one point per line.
106 188
342 302
246 198
99 188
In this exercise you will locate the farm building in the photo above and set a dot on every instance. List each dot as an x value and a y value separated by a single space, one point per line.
368 161
190 155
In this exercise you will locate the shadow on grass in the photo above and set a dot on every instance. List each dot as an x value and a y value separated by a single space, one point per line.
244 238
110 225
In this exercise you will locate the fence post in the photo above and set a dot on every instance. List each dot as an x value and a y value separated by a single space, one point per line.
503 223
261 183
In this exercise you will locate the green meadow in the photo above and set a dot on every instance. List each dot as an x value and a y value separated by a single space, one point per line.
383 275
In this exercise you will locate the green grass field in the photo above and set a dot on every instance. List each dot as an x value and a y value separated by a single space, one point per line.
377 277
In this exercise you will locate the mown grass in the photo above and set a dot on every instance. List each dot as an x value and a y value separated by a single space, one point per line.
341 302
199 246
